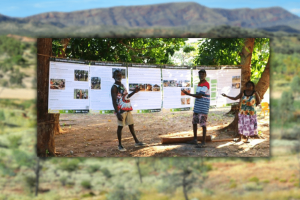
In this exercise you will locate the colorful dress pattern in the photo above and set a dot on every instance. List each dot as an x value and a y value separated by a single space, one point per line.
123 102
247 124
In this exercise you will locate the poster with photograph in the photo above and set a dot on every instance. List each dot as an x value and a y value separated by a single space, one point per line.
96 83
57 84
229 82
148 99
101 83
65 81
221 81
174 82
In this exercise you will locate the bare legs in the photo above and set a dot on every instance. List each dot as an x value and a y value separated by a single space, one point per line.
119 133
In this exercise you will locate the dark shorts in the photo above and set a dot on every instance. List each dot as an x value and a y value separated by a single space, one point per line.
199 119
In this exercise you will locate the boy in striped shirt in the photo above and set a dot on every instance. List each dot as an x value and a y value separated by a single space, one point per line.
201 107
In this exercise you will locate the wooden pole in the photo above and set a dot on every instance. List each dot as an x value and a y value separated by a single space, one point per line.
183 139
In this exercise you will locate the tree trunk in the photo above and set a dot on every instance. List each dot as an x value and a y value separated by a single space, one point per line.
184 184
47 124
37 176
137 161
65 43
233 110
264 82
246 56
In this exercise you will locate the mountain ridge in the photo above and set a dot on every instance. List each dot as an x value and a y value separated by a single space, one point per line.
158 15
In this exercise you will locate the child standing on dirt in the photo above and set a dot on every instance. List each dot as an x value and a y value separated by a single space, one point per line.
201 107
122 106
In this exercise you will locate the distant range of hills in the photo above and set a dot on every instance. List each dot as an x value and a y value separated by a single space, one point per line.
169 15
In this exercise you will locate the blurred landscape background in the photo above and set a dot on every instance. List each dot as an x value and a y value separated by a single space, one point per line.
276 177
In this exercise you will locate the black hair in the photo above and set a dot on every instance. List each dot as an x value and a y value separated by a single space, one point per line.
115 73
251 84
202 70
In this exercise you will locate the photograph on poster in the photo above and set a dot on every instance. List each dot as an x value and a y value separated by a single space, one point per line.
188 101
186 89
236 79
179 83
95 83
155 88
142 87
148 87
173 83
236 85
122 72
57 84
81 93
81 75
132 86
186 83
183 101
166 83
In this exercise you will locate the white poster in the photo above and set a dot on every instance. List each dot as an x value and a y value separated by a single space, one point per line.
229 82
221 81
149 81
174 81
68 87
212 79
100 87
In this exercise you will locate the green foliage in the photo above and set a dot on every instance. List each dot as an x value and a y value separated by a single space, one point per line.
226 51
106 173
93 168
286 105
69 165
295 85
136 50
86 184
254 179
11 46
14 141
219 51
29 183
120 193
63 180
232 183
2 116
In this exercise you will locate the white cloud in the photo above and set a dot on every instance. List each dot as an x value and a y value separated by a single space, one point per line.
295 10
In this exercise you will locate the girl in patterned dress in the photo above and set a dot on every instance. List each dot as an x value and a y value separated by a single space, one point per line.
247 123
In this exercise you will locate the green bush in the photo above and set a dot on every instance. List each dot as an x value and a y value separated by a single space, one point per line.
14 141
63 180
106 173
86 184
93 168
254 179
121 194
29 183
70 165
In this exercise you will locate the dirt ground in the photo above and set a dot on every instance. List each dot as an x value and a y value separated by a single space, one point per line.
94 135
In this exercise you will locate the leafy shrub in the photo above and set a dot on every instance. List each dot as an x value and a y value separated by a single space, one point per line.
14 141
29 183
93 168
254 179
106 173
63 180
69 165
86 184
121 194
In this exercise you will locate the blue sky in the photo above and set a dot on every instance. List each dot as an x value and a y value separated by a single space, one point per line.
21 8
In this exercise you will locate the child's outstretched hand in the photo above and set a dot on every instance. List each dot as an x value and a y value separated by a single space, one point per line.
137 88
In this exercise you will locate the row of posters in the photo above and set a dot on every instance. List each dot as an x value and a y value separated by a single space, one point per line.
80 88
